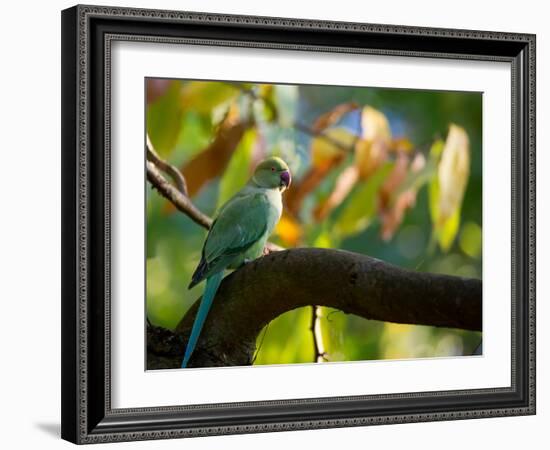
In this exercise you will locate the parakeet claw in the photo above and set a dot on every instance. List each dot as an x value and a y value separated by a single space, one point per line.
246 261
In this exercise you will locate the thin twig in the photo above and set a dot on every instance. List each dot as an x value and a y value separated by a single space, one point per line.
298 125
167 168
180 201
318 348
320 134
183 203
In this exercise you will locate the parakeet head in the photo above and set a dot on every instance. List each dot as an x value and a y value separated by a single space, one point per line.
272 173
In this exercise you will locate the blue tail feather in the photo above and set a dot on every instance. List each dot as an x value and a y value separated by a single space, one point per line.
212 284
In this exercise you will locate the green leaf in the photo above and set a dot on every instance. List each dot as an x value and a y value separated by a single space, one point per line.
164 120
470 239
361 206
238 171
287 339
437 148
444 231
433 194
447 233
204 96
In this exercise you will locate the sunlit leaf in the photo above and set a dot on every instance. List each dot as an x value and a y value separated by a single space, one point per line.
369 155
324 150
447 188
374 125
361 205
237 172
164 120
453 171
444 230
371 150
447 233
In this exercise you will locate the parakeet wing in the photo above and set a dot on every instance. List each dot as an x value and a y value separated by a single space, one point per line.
239 225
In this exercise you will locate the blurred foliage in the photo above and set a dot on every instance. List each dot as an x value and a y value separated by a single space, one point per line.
392 173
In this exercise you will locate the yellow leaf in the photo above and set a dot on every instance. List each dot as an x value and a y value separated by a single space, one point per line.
289 230
374 125
446 190
453 172
371 150
324 150
323 240
447 232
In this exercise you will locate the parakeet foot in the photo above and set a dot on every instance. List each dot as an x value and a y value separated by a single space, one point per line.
245 261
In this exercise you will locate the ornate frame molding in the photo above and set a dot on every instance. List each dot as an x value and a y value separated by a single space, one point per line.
84 421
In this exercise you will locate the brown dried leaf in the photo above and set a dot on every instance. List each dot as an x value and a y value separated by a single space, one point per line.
394 203
372 149
396 177
392 218
155 88
299 190
212 161
344 184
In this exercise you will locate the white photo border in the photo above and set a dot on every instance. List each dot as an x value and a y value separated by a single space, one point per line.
133 387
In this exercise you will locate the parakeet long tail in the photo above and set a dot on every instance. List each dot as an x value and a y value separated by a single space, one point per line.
212 284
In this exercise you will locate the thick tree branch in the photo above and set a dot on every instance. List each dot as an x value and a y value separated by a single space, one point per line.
254 295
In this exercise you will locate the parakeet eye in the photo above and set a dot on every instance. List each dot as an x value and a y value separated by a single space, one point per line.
273 169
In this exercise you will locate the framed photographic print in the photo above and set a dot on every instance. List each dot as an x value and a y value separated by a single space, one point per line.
261 214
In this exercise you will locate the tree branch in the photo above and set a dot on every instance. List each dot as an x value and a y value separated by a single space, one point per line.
169 169
179 200
254 295
303 128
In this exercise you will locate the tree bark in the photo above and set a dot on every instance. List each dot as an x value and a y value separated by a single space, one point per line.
251 297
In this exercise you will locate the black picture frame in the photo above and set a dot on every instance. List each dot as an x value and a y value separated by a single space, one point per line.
87 32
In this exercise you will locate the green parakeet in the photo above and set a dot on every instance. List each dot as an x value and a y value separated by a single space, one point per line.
239 234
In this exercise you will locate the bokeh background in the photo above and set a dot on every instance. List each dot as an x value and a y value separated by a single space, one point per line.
395 174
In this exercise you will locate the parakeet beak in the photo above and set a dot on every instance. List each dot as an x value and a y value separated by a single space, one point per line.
285 180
